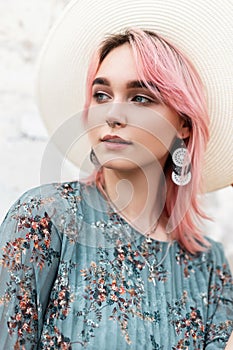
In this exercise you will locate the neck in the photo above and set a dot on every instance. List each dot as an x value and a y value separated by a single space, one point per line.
137 195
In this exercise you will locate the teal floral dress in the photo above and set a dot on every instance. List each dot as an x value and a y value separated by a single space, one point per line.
75 275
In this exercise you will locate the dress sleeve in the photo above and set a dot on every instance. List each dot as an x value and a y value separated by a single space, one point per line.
30 246
220 300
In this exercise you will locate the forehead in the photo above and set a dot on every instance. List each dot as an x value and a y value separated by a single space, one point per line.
119 61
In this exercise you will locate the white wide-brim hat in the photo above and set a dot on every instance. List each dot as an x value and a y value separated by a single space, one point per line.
202 29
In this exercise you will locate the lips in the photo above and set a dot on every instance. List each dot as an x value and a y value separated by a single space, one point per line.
115 139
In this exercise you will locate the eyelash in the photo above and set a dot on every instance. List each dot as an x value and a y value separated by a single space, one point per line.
97 95
105 97
148 100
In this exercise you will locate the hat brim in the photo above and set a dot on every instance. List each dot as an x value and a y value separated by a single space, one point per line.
202 29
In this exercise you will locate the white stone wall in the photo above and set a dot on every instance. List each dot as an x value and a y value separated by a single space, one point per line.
23 27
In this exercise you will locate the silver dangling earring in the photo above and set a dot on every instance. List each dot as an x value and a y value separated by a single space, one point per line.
94 159
181 174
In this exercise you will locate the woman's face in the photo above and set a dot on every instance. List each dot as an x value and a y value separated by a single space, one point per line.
128 126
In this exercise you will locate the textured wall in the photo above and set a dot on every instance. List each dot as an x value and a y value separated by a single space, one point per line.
23 27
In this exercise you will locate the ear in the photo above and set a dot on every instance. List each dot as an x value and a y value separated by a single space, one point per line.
184 130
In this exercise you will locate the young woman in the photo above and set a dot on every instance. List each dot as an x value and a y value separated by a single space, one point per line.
117 261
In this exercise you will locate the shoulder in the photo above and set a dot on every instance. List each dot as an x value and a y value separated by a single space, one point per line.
215 251
46 195
49 192
55 202
217 262
212 260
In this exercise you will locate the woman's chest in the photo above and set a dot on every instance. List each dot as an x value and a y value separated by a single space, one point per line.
126 298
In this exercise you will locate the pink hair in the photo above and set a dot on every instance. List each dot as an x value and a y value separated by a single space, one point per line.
179 86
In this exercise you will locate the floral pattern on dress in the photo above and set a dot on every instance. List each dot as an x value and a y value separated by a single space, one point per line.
37 240
59 308
116 280
188 324
107 285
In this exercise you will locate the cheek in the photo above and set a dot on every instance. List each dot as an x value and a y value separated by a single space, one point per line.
95 121
155 147
157 141
150 148
93 136
152 127
96 116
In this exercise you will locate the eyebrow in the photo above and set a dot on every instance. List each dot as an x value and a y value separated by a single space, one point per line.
130 85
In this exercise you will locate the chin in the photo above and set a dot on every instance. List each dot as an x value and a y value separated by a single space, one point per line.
120 165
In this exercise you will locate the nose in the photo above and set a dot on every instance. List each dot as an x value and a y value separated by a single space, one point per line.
115 124
116 116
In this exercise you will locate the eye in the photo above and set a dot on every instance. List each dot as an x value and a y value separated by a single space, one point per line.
101 97
142 100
